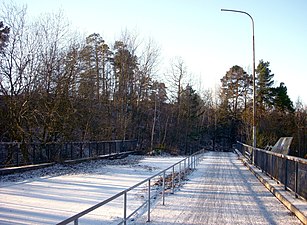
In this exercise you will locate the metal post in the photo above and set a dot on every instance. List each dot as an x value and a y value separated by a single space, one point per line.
179 174
89 150
277 170
76 221
272 167
286 173
71 150
148 206
163 189
193 162
97 149
173 179
184 171
296 179
34 155
80 150
263 163
17 153
125 207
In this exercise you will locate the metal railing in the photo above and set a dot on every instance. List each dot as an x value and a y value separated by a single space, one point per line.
19 154
289 170
183 167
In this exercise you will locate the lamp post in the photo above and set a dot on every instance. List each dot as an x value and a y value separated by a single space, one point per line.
254 77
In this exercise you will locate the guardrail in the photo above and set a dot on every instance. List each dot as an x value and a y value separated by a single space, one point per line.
183 167
289 170
20 154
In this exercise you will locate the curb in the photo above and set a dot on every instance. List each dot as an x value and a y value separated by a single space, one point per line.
295 210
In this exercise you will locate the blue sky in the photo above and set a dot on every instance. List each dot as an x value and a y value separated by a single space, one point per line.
209 41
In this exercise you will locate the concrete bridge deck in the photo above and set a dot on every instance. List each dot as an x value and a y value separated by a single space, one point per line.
221 191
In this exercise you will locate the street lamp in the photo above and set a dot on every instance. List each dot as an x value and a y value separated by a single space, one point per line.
254 78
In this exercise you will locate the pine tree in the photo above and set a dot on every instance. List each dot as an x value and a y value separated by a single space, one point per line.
281 100
264 86
236 85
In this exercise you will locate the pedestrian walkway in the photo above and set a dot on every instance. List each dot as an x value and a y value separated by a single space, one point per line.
221 191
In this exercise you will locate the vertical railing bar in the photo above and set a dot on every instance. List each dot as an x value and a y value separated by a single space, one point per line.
148 206
125 208
173 179
272 167
179 174
163 189
296 179
97 149
89 150
71 150
185 168
17 153
286 173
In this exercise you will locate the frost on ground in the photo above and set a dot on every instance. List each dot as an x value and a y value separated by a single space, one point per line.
65 169
221 191
50 195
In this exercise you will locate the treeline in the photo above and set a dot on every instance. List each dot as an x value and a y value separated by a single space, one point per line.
55 86
276 116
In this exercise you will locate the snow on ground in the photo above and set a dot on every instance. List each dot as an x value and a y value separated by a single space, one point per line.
221 191
50 195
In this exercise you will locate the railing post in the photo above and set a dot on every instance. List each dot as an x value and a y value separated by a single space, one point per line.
184 171
272 167
163 189
193 162
125 207
148 206
173 179
97 149
262 159
179 174
81 150
71 150
76 221
266 163
286 173
17 153
296 179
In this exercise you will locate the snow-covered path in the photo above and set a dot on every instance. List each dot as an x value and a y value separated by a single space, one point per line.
221 191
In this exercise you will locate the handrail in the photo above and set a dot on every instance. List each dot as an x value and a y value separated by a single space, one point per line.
293 158
286 169
192 162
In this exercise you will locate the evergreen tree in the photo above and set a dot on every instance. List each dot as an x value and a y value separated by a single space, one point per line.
236 85
264 85
281 100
